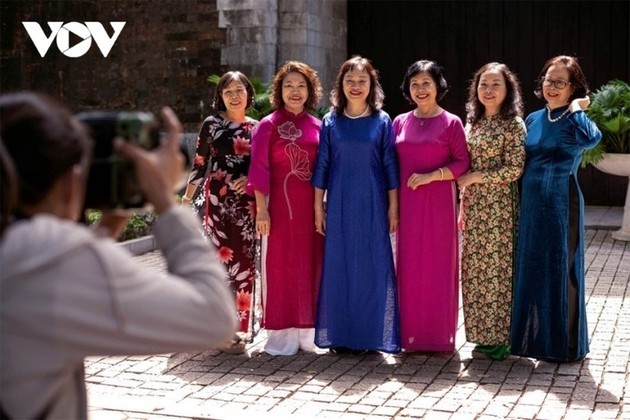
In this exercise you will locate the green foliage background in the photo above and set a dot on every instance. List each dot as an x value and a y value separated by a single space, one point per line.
610 110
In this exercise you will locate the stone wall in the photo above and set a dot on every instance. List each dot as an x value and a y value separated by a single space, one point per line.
263 34
163 55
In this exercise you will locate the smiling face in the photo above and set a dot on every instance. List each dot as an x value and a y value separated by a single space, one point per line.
556 87
492 91
234 97
294 92
422 90
356 86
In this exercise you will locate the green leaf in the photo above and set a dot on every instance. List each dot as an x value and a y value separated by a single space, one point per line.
610 111
214 79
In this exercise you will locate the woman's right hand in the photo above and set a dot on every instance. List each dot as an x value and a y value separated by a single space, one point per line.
320 223
418 179
469 178
263 222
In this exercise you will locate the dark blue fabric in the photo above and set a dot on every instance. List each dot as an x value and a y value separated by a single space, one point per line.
540 322
357 165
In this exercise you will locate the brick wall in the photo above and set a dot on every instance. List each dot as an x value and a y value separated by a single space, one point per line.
168 48
162 56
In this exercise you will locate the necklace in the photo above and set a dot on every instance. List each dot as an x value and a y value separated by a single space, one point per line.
553 120
367 107
425 117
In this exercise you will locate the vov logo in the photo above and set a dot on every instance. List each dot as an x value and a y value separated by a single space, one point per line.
60 31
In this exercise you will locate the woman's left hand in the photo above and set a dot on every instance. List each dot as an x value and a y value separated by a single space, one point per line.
239 184
392 216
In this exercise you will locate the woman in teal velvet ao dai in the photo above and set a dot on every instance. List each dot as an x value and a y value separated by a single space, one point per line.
549 309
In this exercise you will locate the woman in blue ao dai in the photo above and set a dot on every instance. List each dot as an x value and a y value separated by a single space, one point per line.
549 308
357 167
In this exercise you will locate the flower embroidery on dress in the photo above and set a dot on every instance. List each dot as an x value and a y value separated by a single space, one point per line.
298 157
289 131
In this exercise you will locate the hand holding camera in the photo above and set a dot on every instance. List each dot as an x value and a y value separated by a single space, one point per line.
129 164
159 170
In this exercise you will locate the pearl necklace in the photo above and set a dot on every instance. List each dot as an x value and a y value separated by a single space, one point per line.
553 120
367 107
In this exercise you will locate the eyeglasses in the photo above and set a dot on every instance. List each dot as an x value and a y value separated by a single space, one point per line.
558 84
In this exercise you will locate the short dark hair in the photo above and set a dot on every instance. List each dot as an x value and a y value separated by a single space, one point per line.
312 82
435 71
226 79
512 105
41 141
375 98
576 76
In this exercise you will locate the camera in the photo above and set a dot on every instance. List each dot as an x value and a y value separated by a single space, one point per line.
112 182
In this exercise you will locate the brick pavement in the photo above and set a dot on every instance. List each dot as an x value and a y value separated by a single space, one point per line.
215 385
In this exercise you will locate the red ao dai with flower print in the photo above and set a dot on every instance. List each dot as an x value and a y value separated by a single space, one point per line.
283 156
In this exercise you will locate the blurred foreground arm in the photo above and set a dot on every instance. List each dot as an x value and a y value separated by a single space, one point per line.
190 307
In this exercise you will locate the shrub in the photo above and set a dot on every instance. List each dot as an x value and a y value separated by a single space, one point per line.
138 225
610 110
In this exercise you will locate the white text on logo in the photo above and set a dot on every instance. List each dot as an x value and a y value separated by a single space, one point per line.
61 31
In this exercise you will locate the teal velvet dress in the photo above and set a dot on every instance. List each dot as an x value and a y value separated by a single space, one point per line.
549 309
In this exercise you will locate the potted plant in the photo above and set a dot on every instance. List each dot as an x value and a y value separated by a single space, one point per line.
610 110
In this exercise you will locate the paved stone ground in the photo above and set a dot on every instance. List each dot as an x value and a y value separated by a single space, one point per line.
215 385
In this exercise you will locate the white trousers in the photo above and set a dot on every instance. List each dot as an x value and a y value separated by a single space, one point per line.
287 342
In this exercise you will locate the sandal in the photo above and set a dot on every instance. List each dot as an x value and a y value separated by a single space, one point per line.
235 345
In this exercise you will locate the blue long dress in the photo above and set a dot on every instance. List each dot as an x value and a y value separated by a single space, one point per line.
549 309
357 165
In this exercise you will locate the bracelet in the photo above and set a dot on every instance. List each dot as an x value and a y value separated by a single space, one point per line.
441 174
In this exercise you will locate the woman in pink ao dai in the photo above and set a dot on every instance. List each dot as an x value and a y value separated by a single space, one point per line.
431 147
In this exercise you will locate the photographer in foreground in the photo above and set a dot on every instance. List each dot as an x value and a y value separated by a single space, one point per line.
66 291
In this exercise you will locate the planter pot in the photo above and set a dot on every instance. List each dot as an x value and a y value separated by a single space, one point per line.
619 164
140 245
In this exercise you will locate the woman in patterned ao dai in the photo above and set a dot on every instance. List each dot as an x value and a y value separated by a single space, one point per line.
283 156
216 188
489 208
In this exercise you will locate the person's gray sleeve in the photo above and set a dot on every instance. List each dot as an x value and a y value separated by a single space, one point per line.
137 310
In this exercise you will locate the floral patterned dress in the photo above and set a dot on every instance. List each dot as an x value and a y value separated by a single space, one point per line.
496 148
228 218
